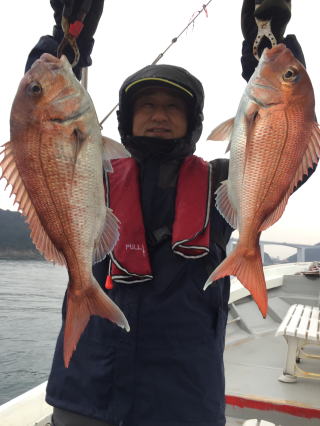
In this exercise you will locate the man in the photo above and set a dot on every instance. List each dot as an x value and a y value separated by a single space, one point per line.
169 367
168 370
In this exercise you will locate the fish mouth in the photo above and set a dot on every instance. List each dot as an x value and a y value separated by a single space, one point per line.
258 102
263 83
265 86
71 118
54 63
273 53
263 104
51 63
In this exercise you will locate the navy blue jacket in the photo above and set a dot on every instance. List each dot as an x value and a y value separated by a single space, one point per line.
168 370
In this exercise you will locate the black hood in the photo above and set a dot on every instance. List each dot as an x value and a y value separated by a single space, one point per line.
167 76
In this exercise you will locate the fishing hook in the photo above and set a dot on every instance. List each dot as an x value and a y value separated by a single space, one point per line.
68 39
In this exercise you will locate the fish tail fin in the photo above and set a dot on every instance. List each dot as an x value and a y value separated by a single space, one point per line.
247 266
80 307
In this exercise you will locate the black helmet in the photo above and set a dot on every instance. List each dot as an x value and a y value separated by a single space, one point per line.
167 76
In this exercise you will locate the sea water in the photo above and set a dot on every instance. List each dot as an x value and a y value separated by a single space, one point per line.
31 295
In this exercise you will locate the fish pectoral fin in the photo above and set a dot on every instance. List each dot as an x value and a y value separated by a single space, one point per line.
223 131
224 205
38 235
228 147
80 137
108 237
92 301
112 150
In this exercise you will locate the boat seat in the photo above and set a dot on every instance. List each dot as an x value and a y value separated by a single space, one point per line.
301 328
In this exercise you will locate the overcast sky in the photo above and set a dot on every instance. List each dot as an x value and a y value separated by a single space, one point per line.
131 34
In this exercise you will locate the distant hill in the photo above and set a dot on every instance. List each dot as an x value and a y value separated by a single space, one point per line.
15 242
268 260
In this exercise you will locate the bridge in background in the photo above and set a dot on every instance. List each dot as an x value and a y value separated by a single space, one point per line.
300 247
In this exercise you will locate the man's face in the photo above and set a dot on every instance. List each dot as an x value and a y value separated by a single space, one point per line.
159 113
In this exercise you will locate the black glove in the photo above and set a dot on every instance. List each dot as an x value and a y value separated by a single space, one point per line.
73 10
278 11
88 11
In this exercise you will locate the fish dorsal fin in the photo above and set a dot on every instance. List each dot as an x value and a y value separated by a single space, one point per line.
223 131
111 150
276 214
224 205
108 237
310 158
38 235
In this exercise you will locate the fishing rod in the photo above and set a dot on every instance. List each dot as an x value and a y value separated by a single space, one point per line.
175 39
160 56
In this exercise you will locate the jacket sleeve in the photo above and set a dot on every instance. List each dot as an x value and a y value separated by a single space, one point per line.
85 41
49 44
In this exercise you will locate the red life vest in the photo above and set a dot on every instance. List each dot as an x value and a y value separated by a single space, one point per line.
191 227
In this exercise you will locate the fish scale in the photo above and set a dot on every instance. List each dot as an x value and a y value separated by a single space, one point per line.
256 184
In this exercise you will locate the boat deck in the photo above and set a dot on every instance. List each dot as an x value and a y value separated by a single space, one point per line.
255 359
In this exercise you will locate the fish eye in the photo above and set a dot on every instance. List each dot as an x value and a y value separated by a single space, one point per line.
291 74
34 88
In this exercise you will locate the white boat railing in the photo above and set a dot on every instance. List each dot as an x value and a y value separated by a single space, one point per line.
274 278
28 409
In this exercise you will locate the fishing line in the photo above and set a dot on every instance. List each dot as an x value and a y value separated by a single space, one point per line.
173 41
